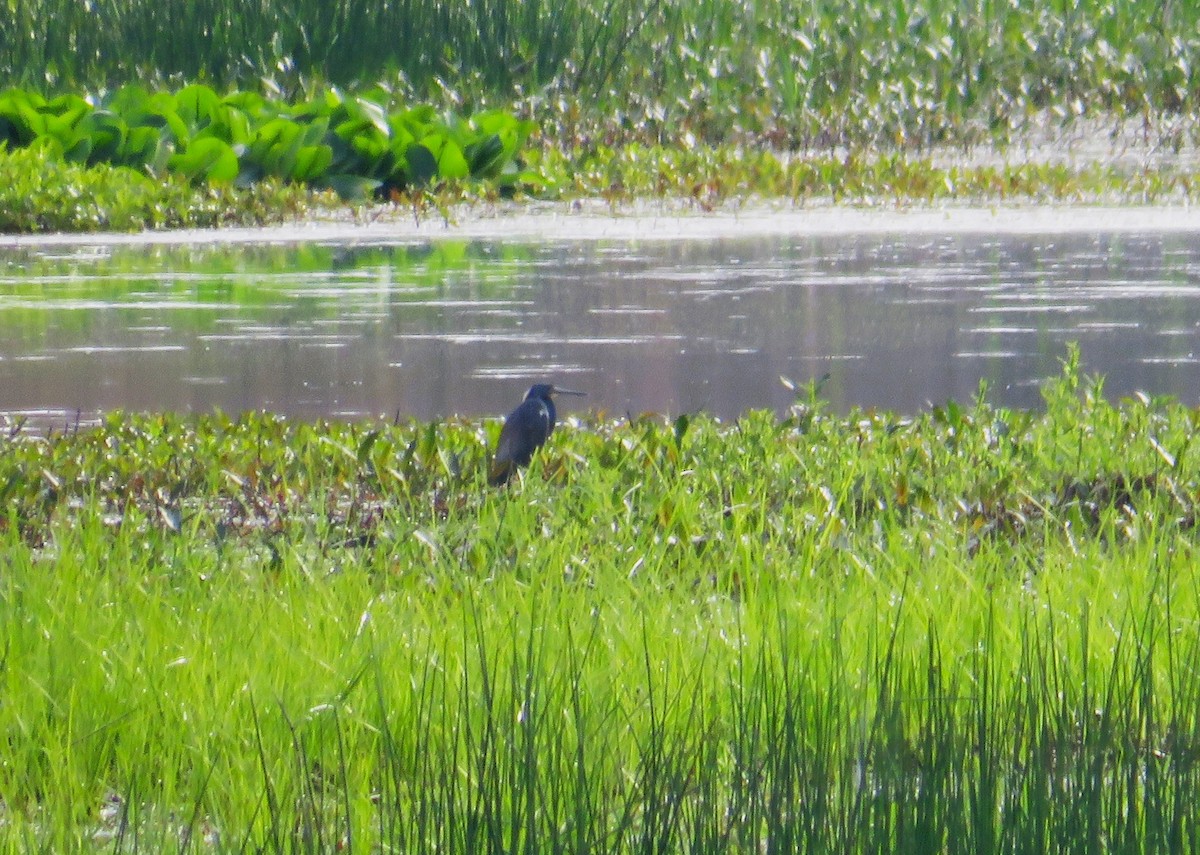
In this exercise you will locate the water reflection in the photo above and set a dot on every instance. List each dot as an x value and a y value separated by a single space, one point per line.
462 327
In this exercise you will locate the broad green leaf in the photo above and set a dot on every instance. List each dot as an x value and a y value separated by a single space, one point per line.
274 146
22 96
108 133
314 133
359 147
311 162
49 147
417 122
160 111
421 166
495 122
127 101
20 122
486 157
209 158
69 129
65 105
79 149
401 140
450 161
197 105
365 140
20 118
145 146
247 103
239 126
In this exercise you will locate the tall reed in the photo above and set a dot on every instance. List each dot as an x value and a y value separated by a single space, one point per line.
812 74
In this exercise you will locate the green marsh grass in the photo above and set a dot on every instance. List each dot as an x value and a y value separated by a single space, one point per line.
41 193
808 75
708 178
970 630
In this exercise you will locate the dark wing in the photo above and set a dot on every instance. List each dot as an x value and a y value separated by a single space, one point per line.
524 431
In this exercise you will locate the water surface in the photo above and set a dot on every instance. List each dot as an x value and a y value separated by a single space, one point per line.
349 329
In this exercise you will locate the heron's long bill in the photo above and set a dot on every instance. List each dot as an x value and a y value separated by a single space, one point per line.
558 390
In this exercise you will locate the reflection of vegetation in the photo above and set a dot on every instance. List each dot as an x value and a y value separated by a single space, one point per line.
210 283
151 263
817 633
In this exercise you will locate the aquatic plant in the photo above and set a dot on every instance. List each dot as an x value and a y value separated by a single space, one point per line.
360 146
710 177
970 629
40 192
812 75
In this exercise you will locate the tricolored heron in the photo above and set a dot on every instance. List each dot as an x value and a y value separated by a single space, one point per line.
525 430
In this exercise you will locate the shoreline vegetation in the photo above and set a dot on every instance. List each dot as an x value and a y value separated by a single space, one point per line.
40 194
975 628
431 106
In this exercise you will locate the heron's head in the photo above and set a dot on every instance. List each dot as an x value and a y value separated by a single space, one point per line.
546 391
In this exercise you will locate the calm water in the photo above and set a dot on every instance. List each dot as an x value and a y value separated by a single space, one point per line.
463 327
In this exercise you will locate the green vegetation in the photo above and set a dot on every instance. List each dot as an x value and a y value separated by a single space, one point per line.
76 165
43 194
975 630
811 74
708 101
360 146
711 177
40 192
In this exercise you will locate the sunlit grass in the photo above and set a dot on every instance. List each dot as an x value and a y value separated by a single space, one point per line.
41 193
710 177
808 75
40 196
705 101
971 629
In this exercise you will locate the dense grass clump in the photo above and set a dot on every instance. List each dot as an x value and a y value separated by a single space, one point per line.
794 74
709 178
39 192
972 630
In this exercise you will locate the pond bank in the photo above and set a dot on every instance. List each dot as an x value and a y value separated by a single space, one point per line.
663 221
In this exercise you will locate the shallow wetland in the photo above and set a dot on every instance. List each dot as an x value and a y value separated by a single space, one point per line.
664 314
877 612
876 533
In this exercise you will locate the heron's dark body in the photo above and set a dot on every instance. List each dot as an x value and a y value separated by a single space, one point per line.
525 430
